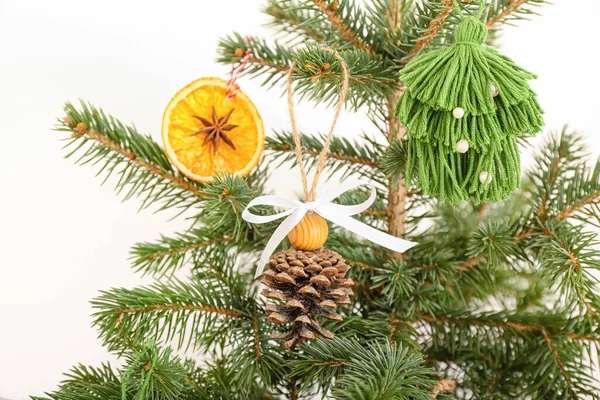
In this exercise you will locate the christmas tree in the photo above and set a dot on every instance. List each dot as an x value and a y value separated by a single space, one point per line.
497 300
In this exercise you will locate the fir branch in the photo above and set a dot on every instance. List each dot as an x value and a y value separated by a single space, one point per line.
506 11
559 363
511 6
363 370
563 250
350 157
362 265
228 197
518 356
582 203
429 33
154 373
122 312
255 356
461 266
563 185
383 371
552 325
165 175
268 64
319 76
272 60
216 380
142 166
148 373
496 241
393 161
332 11
88 383
430 24
193 313
295 20
170 253
471 262
317 72
346 150
321 361
386 23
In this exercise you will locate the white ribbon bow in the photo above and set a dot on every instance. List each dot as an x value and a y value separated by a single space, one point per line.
336 213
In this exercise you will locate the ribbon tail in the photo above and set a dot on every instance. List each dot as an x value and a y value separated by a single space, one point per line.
372 234
280 233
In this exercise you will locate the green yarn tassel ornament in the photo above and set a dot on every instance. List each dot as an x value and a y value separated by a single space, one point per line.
463 107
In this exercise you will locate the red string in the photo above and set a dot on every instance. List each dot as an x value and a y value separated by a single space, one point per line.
236 71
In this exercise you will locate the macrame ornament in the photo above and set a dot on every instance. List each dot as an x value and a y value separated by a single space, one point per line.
308 281
463 107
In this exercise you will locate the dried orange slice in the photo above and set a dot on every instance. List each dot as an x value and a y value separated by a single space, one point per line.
205 134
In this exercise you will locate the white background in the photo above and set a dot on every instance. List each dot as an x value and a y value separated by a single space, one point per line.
63 237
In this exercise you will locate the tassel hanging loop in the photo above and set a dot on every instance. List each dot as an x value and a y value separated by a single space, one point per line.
471 30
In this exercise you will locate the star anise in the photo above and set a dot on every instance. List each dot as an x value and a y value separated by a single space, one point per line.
215 129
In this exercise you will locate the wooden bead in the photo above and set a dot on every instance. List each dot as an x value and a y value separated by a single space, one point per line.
310 234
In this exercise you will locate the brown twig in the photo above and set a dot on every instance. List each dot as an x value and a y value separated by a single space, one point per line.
362 265
130 155
443 386
397 191
443 320
493 383
393 327
586 303
394 16
174 307
278 12
256 338
348 34
570 211
267 63
511 7
185 249
543 204
376 213
329 362
428 35
293 390
471 262
337 156
463 266
559 362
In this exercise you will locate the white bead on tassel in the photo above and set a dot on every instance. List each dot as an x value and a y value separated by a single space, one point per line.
462 146
458 113
495 91
485 177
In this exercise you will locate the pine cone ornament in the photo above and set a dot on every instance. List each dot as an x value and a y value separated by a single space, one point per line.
306 285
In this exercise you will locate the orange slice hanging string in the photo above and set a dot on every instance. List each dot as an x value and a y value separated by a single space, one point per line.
232 86
210 127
